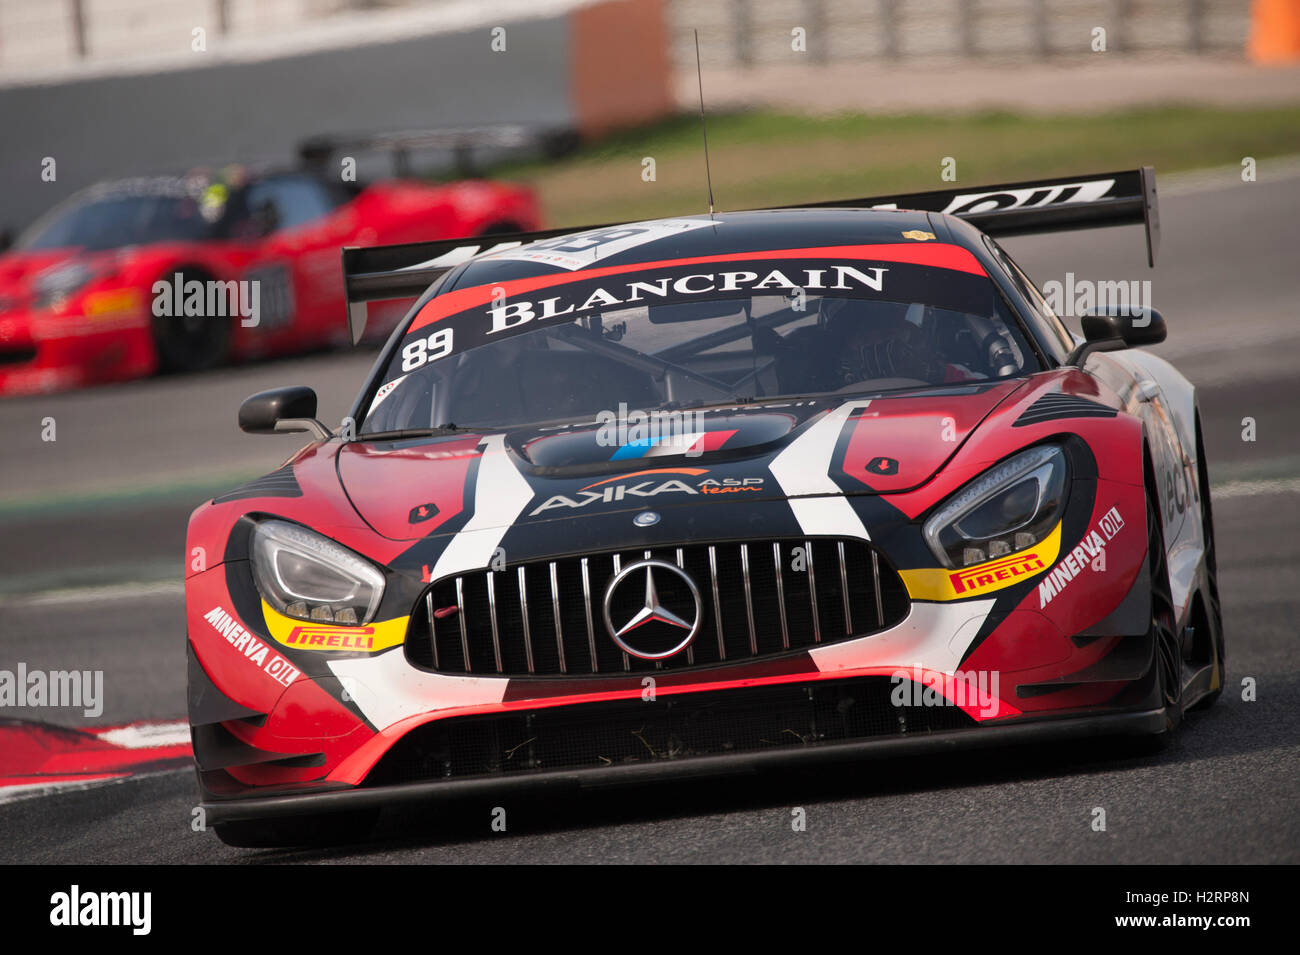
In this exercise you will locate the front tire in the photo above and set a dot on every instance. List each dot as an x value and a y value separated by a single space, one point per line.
190 342
1168 650
1215 611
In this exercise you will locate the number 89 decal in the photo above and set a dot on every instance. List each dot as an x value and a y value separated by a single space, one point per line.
424 350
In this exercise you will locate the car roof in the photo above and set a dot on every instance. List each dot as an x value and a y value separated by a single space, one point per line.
725 233
192 182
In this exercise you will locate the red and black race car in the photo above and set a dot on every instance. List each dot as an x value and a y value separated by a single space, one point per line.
708 494
181 273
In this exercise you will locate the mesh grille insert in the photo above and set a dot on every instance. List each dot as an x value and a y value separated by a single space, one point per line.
677 727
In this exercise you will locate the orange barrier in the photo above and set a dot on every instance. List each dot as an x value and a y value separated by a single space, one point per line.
1274 32
619 64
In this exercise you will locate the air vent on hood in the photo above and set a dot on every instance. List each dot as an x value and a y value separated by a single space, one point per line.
279 483
1054 406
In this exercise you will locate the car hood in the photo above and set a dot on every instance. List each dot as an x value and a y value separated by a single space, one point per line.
412 488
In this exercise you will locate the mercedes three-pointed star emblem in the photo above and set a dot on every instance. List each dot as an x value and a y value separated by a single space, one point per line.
653 610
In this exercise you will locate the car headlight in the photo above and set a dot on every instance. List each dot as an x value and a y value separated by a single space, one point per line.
1007 509
55 284
304 575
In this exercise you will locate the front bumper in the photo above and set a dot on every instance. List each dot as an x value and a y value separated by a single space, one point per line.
43 352
1142 722
329 739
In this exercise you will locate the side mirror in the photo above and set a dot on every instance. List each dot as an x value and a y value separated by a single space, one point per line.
1137 327
6 239
282 410
1117 328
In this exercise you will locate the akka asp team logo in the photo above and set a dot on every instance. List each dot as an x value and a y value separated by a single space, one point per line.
621 488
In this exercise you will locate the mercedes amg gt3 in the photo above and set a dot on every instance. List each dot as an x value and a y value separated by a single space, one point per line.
707 494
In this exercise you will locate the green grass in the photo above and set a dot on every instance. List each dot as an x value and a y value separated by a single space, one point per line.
39 504
769 158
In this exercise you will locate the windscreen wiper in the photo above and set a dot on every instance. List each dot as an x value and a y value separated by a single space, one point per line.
399 433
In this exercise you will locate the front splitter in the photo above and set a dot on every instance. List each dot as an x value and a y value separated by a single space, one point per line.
1138 723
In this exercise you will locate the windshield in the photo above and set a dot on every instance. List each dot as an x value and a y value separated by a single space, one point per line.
112 222
671 338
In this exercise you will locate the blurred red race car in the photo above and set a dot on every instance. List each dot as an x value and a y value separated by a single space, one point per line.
182 273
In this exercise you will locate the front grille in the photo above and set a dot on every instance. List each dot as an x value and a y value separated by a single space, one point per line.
601 735
758 598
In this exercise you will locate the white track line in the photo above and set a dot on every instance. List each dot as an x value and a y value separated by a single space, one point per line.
135 590
148 735
1223 178
1234 489
24 791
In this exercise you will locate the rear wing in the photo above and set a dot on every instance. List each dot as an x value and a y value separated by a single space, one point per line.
1039 205
462 142
1017 208
385 272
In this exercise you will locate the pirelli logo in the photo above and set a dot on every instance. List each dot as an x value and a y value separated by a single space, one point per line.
332 638
974 579
940 583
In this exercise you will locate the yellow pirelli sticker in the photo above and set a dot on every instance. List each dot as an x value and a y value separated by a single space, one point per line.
941 583
113 302
332 638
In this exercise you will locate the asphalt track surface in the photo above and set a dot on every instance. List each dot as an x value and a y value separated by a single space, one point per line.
92 531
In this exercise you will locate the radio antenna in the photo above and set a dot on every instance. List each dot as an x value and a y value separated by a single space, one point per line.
703 128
